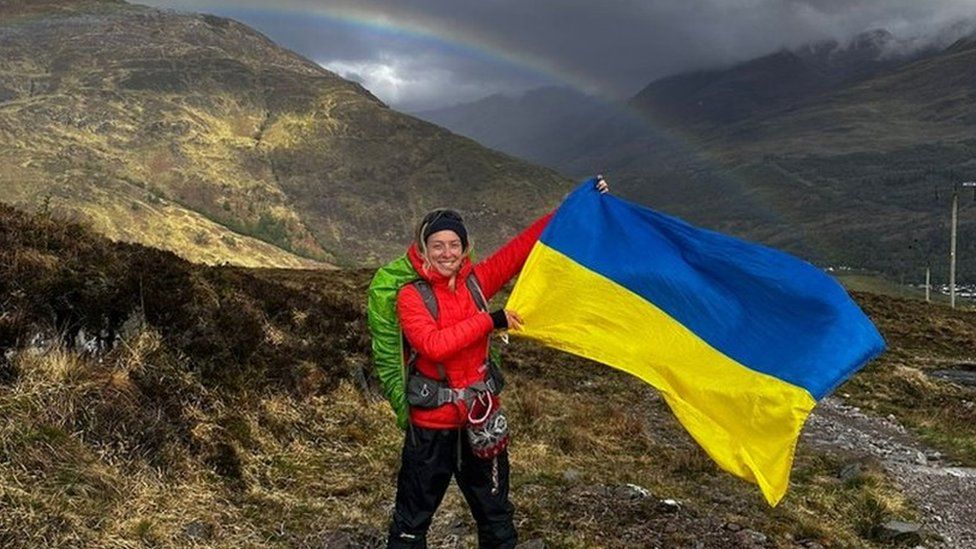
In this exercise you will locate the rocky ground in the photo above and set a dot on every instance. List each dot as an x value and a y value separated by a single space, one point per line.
945 493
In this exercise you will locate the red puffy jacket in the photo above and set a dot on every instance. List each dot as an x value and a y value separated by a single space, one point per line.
458 339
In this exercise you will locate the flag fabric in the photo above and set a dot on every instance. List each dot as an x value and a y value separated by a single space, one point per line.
740 339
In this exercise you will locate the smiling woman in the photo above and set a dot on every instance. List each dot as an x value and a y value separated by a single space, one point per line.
456 425
457 428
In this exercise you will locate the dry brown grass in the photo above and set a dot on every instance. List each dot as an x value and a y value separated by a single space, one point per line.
243 471
922 337
133 451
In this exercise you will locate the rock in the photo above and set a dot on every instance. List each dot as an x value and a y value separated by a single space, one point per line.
669 506
961 472
537 543
599 490
354 537
959 377
902 532
920 458
631 492
571 476
198 530
458 527
339 540
750 538
723 498
849 472
732 527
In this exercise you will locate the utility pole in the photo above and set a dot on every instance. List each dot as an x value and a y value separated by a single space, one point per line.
952 249
928 284
952 242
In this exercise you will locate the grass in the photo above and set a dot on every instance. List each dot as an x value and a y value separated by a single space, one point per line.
921 338
310 466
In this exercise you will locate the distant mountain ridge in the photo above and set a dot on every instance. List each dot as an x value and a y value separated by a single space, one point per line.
196 134
834 151
784 79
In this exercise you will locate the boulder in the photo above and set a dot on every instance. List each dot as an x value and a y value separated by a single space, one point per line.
898 531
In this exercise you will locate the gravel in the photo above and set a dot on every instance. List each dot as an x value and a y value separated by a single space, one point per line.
945 494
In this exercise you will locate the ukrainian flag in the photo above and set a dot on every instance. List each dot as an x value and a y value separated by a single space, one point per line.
741 340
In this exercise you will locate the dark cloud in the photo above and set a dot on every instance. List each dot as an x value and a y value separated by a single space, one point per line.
613 47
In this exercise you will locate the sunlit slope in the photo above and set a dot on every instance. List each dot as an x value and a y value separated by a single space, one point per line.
199 135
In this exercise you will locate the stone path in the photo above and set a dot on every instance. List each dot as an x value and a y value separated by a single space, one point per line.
945 494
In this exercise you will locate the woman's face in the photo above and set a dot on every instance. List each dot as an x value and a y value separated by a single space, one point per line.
444 251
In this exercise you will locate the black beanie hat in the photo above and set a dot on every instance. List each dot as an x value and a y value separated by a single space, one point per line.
443 220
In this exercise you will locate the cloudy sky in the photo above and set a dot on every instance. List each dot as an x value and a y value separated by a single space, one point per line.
421 54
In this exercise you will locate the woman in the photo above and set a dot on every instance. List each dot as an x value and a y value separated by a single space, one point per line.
450 349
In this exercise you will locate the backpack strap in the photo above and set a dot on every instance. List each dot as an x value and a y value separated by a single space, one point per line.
430 301
475 289
427 294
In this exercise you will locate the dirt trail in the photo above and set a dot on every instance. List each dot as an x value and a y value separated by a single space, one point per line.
946 495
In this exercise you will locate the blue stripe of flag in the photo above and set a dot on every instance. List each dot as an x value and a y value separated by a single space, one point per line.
765 309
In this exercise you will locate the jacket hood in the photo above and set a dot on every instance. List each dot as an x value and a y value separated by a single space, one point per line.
431 275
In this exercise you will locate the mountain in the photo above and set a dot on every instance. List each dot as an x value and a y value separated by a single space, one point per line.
781 80
538 125
844 153
199 135
859 166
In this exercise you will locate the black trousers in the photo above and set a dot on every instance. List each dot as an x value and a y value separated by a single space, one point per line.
429 461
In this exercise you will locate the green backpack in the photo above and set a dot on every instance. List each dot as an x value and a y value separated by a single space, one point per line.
384 328
387 337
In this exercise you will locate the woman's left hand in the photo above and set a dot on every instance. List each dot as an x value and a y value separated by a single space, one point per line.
602 185
515 321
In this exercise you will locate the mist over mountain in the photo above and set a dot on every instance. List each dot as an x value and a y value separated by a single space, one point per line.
781 80
528 125
845 153
197 134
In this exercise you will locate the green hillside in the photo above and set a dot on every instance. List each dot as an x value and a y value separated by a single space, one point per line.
197 134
